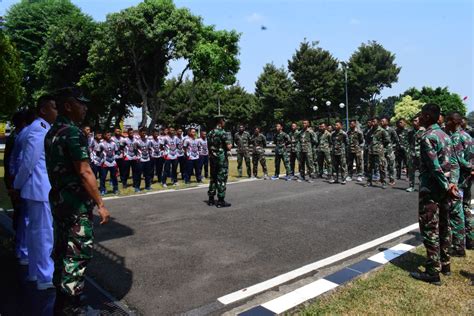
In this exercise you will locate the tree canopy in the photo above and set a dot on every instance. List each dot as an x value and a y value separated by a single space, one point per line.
449 102
407 108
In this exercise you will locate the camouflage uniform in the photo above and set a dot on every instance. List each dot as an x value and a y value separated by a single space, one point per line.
242 141
258 154
460 218
218 162
379 141
356 141
367 141
438 168
414 138
71 206
401 153
281 141
306 141
294 150
390 152
323 152
339 144
469 218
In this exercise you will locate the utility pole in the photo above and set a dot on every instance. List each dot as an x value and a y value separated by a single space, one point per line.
347 99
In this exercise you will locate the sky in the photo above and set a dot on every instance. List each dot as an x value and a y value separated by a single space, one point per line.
432 39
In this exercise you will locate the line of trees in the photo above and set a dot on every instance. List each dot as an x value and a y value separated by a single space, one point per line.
126 62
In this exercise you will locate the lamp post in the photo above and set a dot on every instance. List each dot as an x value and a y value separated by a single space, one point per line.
328 104
347 95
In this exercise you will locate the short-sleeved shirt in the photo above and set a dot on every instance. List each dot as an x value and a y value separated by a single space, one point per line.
118 142
65 144
94 152
180 146
192 148
203 149
156 147
143 146
171 147
108 151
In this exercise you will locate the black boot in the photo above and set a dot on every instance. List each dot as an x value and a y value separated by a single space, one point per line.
457 252
446 270
211 201
66 305
469 245
221 203
426 277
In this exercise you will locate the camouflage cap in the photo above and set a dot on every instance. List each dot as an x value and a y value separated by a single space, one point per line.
71 92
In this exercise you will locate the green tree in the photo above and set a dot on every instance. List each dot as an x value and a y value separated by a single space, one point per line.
470 118
407 108
11 90
371 68
446 100
273 90
386 107
63 57
27 24
141 41
317 78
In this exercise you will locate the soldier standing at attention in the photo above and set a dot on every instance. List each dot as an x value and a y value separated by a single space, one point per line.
367 140
466 200
306 141
242 141
324 150
356 142
390 149
339 143
259 143
439 173
294 150
281 141
401 154
460 219
379 141
414 138
219 146
73 195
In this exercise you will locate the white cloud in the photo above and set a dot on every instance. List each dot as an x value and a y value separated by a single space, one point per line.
354 21
255 18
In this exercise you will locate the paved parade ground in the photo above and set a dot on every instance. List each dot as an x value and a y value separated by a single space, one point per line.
170 253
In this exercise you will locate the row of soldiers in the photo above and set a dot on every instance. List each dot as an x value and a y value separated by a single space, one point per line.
157 154
333 152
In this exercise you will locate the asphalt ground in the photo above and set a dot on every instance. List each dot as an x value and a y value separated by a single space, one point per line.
170 253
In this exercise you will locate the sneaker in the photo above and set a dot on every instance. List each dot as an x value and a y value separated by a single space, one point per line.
384 186
392 182
410 189
253 177
426 277
275 178
102 193
332 181
137 190
368 184
45 286
266 177
343 182
148 188
348 179
287 178
359 179
116 192
310 181
175 184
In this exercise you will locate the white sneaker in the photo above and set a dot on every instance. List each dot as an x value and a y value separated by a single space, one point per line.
359 179
164 185
45 286
348 179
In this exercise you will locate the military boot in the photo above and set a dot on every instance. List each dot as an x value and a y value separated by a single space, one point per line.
446 270
221 203
211 201
69 305
469 244
457 252
426 277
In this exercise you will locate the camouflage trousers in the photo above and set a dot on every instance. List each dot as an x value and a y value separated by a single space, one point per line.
240 157
401 159
293 158
73 246
413 165
219 171
433 218
390 162
468 217
306 160
376 164
324 161
259 157
457 224
286 162
356 158
340 166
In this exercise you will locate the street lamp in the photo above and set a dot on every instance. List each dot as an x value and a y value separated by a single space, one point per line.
315 108
342 105
345 66
328 104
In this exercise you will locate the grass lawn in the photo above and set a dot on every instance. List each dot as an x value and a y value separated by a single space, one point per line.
233 176
391 291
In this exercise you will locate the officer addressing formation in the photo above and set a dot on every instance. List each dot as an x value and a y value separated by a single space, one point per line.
52 168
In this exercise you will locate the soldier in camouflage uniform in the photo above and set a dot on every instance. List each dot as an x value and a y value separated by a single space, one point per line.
323 150
293 147
73 195
467 183
259 142
460 219
356 142
242 141
439 174
281 141
414 139
390 149
379 141
339 144
401 153
367 141
306 141
219 146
